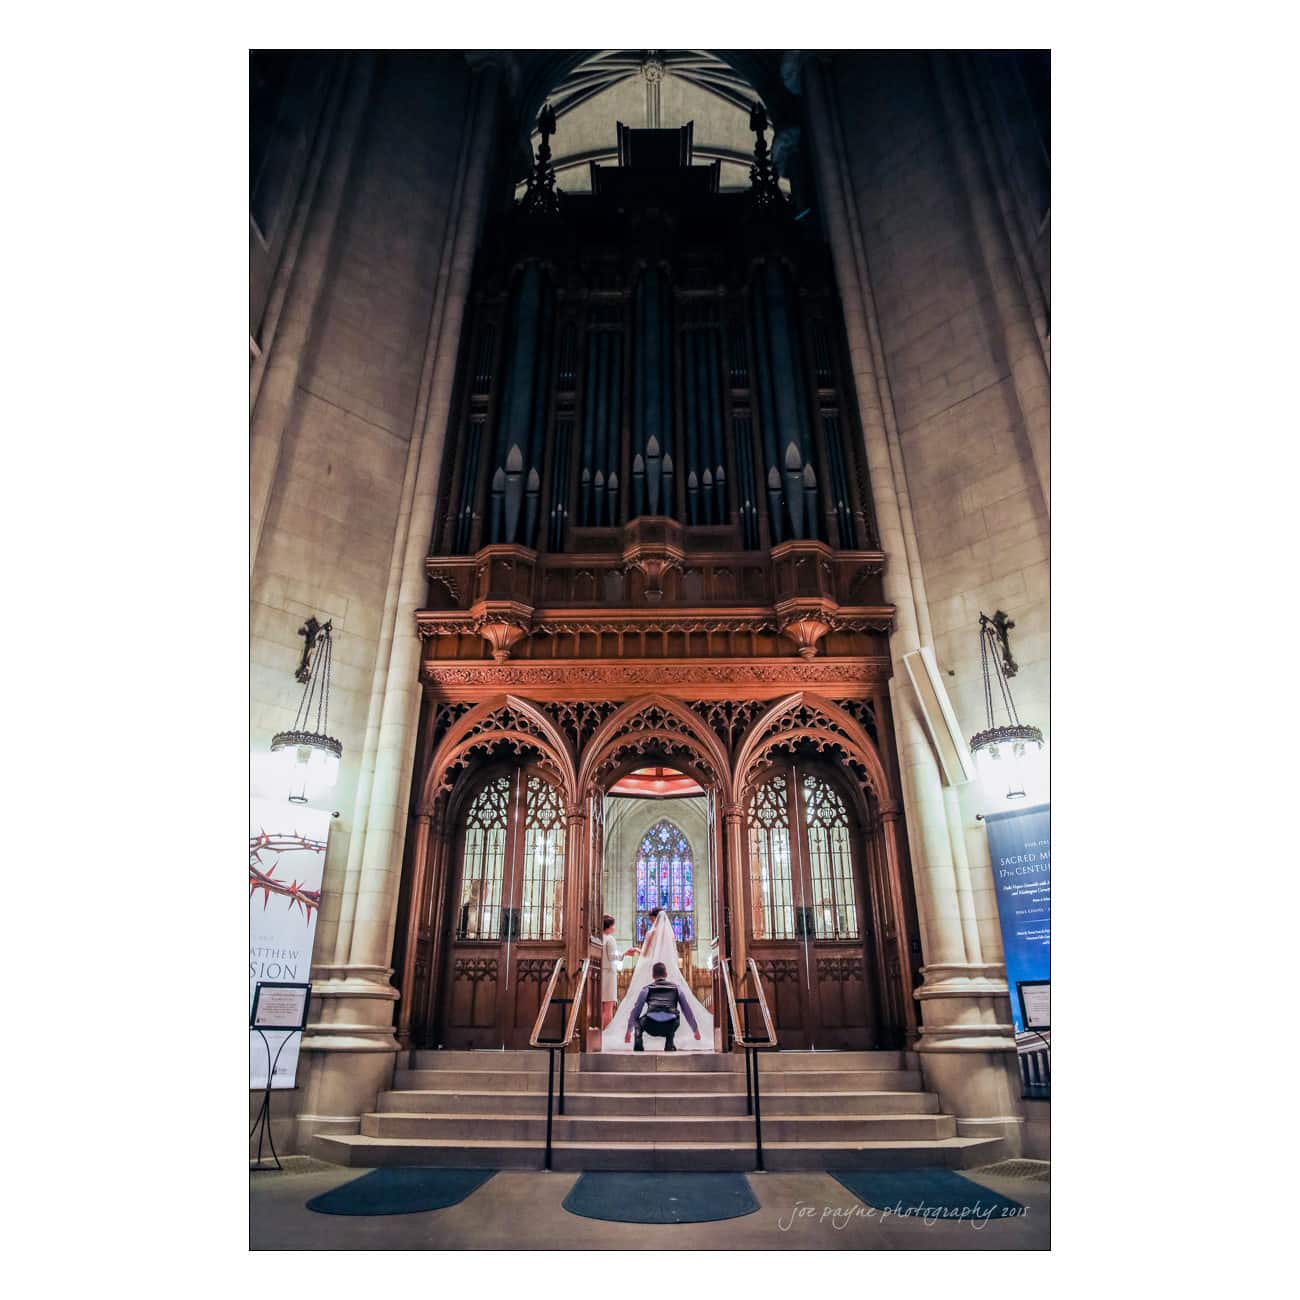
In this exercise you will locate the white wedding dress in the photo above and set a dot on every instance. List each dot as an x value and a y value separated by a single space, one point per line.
660 945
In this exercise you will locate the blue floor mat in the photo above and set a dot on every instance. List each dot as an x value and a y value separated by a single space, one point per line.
401 1191
927 1194
661 1197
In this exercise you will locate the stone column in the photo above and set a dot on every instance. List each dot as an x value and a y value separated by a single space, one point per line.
419 875
303 209
1029 375
277 384
966 1044
353 1040
922 789
367 926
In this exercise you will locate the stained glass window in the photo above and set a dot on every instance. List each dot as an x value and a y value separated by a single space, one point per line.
665 878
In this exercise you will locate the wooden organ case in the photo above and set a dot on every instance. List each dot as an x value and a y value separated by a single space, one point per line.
654 545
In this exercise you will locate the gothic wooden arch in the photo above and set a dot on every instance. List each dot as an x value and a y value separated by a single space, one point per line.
507 719
647 722
807 716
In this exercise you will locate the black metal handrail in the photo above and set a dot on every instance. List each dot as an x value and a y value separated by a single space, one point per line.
740 1029
556 1046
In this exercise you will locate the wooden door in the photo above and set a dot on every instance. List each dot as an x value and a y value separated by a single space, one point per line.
806 913
506 923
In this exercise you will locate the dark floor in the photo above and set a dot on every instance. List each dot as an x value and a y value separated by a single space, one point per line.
521 1210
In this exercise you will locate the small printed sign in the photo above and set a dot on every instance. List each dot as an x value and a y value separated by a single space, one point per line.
1036 1003
280 1006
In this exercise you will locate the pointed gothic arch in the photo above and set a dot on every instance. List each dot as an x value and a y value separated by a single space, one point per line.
505 721
806 717
654 724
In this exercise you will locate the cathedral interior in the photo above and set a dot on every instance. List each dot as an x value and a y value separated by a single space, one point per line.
652 429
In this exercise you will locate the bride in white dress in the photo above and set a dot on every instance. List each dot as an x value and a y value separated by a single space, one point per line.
660 945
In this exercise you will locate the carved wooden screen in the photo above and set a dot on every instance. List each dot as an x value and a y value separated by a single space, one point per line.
665 877
806 927
507 924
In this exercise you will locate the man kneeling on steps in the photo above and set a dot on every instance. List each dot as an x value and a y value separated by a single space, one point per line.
662 1003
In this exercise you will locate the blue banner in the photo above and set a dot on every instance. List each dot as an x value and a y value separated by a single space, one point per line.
1020 843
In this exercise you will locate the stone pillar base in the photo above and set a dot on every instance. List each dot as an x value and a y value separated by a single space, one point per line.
982 1089
967 1050
348 1052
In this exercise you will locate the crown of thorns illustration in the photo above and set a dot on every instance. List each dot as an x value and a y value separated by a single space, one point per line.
265 879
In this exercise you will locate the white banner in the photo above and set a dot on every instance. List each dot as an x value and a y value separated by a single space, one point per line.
286 863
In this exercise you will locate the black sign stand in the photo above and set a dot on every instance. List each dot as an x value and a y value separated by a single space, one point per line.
263 1120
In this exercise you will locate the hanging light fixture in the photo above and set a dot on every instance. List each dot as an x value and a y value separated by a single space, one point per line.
309 757
1004 756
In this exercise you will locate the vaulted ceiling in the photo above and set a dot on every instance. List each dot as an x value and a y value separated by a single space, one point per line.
650 88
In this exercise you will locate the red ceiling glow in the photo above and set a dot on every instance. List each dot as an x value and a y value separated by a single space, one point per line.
656 783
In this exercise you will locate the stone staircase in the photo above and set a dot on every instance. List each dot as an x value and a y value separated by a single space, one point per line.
683 1110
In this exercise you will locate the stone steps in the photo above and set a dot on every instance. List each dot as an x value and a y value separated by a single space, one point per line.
651 1110
438 1102
716 1130
575 1080
369 1152
656 1060
705 1062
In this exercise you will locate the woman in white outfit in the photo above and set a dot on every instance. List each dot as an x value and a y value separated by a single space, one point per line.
660 945
609 973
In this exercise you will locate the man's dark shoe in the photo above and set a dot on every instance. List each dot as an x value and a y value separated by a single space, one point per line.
638 1048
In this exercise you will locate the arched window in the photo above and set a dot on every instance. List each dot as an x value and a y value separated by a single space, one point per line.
830 860
484 861
543 894
512 866
665 878
801 882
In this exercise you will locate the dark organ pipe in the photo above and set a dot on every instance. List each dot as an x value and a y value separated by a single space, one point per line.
562 467
652 406
742 432
783 410
713 389
521 430
613 424
654 366
840 482
599 462
469 485
602 426
691 430
666 407
762 375
588 428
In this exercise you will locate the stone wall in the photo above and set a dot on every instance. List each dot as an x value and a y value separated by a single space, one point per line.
326 546
980 517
